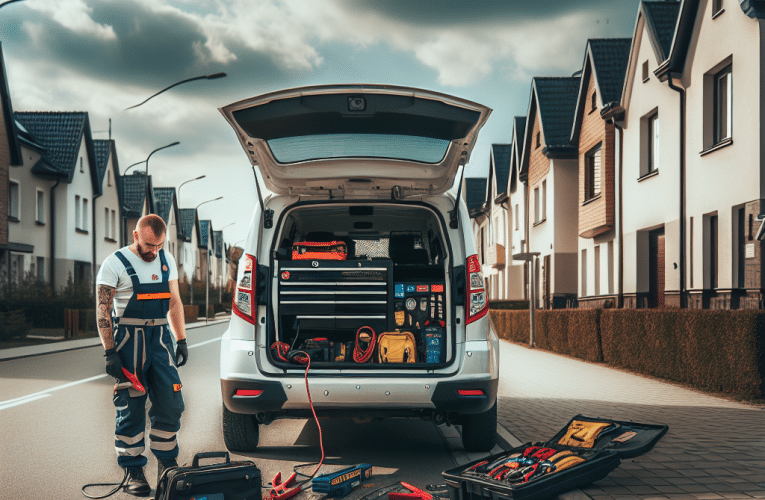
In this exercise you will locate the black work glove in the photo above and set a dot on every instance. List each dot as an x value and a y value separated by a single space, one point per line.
181 353
114 364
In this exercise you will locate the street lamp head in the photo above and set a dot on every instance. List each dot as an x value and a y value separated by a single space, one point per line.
215 76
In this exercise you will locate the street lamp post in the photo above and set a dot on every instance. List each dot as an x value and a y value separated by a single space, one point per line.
530 257
207 266
146 180
186 182
214 76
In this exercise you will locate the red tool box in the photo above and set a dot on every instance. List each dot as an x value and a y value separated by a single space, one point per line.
586 450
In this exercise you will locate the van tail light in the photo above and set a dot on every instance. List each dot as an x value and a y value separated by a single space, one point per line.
470 392
248 393
244 298
477 305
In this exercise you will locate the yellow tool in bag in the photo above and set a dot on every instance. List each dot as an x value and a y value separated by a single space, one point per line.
582 434
396 347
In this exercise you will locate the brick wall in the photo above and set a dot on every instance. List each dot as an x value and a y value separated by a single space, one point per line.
539 164
597 215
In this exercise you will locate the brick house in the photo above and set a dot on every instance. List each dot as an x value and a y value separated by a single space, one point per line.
191 235
475 199
107 227
550 168
716 64
166 206
594 134
517 229
10 154
496 208
64 152
651 169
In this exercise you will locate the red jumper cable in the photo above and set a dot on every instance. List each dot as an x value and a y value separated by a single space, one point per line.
290 488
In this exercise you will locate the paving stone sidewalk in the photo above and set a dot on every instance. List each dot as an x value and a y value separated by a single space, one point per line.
714 449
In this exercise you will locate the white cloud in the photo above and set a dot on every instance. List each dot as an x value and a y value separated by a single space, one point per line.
73 15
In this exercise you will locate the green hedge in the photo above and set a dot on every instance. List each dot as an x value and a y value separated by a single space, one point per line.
512 305
722 351
44 313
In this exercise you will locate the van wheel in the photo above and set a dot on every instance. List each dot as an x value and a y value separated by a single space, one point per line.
240 432
479 430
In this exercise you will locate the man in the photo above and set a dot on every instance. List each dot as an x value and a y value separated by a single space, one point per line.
138 287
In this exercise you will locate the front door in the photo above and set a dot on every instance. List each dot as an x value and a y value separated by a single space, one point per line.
656 268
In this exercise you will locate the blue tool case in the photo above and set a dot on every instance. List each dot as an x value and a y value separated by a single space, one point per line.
340 483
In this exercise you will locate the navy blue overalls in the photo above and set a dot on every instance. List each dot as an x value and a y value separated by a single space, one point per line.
146 350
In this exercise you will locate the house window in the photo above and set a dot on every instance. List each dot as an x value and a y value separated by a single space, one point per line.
114 226
596 268
77 212
722 105
41 268
81 167
84 214
592 179
107 231
584 272
537 206
645 72
517 217
712 255
716 7
594 101
544 200
539 139
108 177
40 206
14 212
649 128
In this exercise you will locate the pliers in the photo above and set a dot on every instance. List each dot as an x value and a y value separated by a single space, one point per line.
282 491
416 493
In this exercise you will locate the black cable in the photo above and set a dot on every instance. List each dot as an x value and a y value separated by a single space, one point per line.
115 490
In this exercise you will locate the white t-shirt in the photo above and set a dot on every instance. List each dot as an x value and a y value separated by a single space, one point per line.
113 273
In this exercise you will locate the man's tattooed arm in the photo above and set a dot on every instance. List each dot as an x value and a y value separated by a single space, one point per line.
104 304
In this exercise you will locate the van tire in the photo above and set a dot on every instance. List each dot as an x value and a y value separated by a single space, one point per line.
240 432
479 430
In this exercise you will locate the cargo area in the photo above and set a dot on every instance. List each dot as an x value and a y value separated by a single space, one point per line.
362 287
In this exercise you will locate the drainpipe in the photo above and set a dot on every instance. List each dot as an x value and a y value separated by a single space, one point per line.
93 219
53 236
620 280
681 91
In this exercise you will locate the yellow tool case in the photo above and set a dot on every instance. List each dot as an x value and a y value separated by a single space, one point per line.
586 450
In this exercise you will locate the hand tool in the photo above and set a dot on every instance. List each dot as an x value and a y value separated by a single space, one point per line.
416 493
282 491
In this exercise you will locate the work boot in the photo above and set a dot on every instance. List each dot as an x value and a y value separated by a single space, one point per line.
161 466
136 483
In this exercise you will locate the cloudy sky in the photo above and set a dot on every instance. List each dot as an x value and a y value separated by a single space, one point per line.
102 56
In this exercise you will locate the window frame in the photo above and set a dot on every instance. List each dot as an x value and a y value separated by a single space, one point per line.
39 206
591 180
717 112
11 215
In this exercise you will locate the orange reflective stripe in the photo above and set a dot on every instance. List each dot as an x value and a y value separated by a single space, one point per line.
148 296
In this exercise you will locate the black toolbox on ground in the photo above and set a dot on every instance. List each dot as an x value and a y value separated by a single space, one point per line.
222 481
601 454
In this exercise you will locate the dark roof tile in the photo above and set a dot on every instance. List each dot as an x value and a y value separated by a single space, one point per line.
204 229
60 133
102 149
501 154
556 101
475 192
133 193
610 57
663 18
187 221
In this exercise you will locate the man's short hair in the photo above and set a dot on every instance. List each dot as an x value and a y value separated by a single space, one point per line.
153 221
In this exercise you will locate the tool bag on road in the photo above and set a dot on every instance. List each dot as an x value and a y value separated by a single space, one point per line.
222 481
586 450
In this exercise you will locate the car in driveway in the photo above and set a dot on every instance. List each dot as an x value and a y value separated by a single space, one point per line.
360 243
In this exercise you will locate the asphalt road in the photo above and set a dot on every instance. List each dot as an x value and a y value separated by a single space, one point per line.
57 422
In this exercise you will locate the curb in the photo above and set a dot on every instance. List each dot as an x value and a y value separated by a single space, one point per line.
71 345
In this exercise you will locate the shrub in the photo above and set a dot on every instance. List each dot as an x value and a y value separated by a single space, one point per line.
513 305
13 324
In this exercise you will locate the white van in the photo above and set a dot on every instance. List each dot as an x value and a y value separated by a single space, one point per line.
359 258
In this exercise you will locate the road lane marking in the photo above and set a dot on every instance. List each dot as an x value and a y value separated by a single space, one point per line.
205 342
3 405
32 397
42 394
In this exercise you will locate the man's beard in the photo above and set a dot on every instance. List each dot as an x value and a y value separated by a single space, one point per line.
146 256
